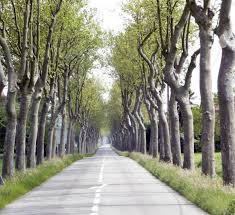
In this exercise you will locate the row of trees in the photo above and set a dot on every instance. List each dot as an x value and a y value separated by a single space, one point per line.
47 51
157 54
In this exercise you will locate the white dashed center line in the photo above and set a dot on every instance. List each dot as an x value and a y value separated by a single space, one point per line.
96 202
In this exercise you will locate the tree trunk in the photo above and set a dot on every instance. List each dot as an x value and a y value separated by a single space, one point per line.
54 144
153 145
80 142
150 151
174 130
68 148
188 135
3 81
208 113
21 130
161 142
9 143
143 139
50 142
133 133
226 92
31 157
142 134
84 142
8 155
41 132
62 135
165 133
136 138
227 114
154 133
72 140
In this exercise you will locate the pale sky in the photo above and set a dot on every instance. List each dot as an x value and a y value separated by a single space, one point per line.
109 14
111 18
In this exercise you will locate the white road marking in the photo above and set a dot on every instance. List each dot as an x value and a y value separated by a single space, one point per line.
98 190
96 202
95 208
98 187
97 195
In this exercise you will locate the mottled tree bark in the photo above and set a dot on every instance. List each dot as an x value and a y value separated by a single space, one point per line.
134 132
21 130
207 104
161 142
51 129
165 132
62 135
203 17
3 82
9 143
154 132
50 142
69 136
8 155
225 93
227 113
141 143
72 140
54 146
174 130
82 140
31 156
43 119
143 140
142 134
188 135
41 132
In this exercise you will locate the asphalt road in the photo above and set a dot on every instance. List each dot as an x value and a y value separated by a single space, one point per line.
105 184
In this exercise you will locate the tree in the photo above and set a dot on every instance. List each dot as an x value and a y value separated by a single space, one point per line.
225 92
39 85
8 156
204 16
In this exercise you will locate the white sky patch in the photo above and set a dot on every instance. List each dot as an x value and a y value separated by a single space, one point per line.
109 13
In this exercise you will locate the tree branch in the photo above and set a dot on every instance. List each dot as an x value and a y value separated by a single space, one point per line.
191 67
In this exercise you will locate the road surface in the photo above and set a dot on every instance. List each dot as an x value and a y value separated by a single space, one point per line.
105 184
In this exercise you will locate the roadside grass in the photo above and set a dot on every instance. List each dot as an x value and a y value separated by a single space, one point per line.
209 194
22 183
218 164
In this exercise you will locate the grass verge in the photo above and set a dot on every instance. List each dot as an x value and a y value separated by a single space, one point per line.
209 194
22 183
218 162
